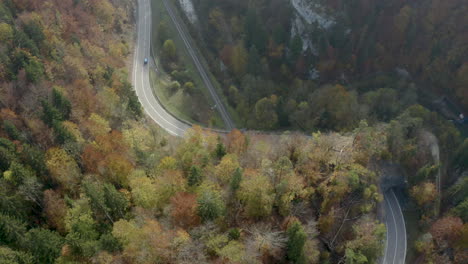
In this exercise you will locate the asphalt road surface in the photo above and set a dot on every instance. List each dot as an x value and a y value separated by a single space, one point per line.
229 124
141 79
395 245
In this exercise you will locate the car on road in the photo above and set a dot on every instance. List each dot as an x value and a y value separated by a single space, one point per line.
145 61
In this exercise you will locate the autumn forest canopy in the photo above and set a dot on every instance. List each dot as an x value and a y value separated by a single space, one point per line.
87 177
326 65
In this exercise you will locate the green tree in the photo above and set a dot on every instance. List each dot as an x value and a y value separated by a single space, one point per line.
255 32
210 204
43 244
12 203
256 193
296 47
220 149
133 104
236 180
106 200
12 230
163 32
367 245
6 157
189 88
50 113
62 135
115 201
195 177
34 32
460 159
265 113
383 103
34 70
61 103
109 243
461 210
296 241
169 49
17 173
353 257
239 60
82 229
254 66
31 190
9 256
6 32
333 107
35 158
12 131
21 40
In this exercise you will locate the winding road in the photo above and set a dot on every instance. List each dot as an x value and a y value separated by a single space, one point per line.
141 78
395 245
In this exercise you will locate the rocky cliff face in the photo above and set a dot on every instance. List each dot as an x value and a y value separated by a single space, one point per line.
189 10
309 16
311 11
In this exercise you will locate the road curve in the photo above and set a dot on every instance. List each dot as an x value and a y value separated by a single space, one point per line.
395 246
141 79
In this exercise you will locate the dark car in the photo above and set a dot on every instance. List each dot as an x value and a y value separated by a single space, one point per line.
145 61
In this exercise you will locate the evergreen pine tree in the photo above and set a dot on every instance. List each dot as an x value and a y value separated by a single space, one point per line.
195 177
296 241
236 179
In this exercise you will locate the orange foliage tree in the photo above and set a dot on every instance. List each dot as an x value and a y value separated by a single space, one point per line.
184 210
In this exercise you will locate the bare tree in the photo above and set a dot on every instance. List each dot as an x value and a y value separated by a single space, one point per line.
265 242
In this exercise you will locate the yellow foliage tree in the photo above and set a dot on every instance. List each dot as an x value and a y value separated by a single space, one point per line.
239 60
143 191
6 32
226 168
424 193
73 129
146 244
63 168
256 192
97 125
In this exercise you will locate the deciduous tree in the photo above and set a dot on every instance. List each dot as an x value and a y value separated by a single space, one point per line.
63 168
184 210
55 210
257 194
424 193
169 49
146 243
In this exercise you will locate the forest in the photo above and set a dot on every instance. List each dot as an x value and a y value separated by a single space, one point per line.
374 57
86 177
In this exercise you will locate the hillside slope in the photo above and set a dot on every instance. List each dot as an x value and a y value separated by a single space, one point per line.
292 49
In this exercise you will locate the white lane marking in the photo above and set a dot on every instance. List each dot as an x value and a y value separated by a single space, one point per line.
145 70
396 233
404 225
136 65
386 239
